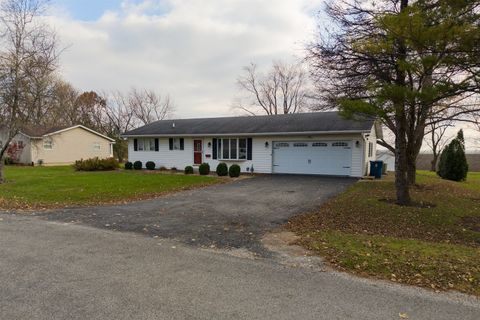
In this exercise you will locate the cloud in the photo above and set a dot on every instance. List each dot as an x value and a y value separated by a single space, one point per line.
193 50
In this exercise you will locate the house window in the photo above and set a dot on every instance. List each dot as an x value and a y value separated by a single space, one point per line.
370 149
232 149
282 145
147 144
300 144
176 144
20 144
96 146
47 144
319 144
339 144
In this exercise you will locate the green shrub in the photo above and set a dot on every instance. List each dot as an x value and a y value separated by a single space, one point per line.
137 165
8 161
234 171
173 168
204 169
96 164
453 162
163 168
128 166
150 165
222 169
188 170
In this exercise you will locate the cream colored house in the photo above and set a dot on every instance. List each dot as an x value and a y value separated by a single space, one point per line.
59 145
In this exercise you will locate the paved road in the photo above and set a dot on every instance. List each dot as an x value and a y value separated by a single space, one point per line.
52 270
233 215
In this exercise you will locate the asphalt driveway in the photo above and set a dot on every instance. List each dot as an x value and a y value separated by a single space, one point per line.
232 215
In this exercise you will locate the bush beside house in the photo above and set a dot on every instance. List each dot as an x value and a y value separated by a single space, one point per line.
204 169
222 169
150 165
234 171
96 164
137 165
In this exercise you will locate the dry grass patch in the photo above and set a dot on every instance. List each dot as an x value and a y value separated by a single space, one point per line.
434 244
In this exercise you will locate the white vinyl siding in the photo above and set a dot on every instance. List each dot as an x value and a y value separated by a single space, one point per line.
261 153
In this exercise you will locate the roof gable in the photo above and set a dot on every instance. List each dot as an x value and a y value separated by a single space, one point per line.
40 132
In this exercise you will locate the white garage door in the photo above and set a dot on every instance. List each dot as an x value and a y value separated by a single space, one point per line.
313 157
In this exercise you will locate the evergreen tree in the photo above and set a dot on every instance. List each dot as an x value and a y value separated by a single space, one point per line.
453 162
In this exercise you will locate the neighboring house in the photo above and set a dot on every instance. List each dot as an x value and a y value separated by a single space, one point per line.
58 145
388 158
309 143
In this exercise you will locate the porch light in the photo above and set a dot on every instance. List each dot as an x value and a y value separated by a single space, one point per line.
357 143
209 144
266 144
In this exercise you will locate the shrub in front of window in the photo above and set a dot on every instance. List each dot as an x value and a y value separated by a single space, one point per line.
96 164
128 166
204 169
222 169
150 165
188 170
234 171
137 165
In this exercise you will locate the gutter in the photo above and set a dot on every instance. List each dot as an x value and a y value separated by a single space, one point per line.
308 133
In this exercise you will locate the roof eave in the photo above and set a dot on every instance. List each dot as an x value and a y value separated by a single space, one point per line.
246 134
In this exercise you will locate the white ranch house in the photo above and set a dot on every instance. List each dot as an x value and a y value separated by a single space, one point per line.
320 143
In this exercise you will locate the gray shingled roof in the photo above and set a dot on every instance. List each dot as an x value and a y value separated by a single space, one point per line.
274 124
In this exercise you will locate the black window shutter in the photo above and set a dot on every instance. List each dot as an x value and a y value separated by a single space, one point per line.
249 148
135 144
182 144
214 148
156 145
170 143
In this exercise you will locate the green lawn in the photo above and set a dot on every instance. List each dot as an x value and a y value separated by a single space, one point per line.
435 244
39 187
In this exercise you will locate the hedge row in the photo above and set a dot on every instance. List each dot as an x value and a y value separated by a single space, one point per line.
203 169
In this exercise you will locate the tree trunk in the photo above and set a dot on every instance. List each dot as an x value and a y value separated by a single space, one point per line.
434 163
401 162
2 179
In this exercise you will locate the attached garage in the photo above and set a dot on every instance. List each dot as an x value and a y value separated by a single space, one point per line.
313 157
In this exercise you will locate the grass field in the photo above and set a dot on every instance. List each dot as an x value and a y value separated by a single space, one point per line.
46 187
435 244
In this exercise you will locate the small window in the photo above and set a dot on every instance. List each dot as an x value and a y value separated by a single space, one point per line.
20 144
147 144
300 144
319 144
47 144
370 149
282 145
96 146
339 144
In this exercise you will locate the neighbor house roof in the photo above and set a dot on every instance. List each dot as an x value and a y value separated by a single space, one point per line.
300 123
38 132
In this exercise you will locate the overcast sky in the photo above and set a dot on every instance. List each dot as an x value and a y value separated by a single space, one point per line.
193 50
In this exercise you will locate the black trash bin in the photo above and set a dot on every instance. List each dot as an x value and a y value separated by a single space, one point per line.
376 168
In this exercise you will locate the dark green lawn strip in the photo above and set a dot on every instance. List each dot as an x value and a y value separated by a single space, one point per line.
62 186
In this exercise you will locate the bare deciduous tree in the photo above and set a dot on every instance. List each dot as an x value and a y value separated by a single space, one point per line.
280 91
436 139
28 57
148 106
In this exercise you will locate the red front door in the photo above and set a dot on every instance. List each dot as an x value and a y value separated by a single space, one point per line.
197 151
